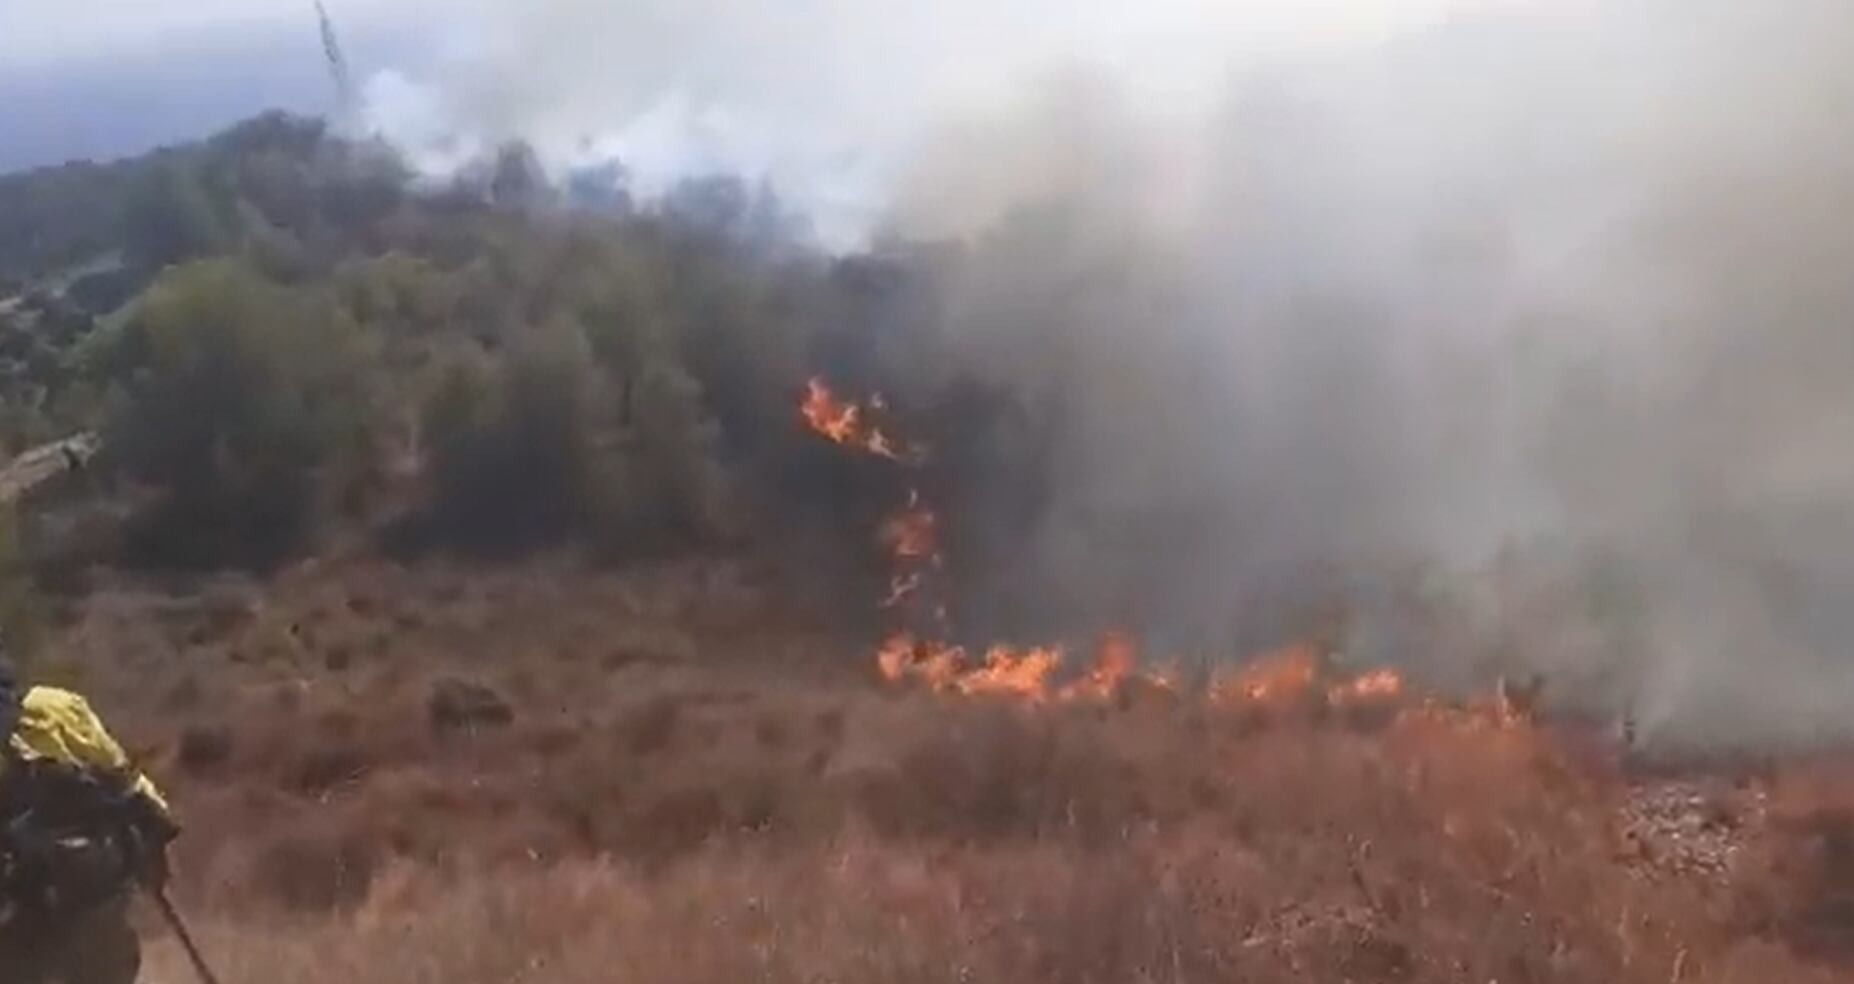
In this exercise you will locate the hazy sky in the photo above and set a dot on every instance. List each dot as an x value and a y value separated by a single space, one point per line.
811 86
49 31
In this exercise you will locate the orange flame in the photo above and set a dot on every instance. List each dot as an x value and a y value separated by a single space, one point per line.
846 423
904 657
1377 686
1012 672
1026 673
911 539
912 533
1281 675
835 420
1166 678
896 657
1112 667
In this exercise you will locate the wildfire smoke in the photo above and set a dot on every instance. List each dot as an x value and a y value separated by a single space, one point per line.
1289 676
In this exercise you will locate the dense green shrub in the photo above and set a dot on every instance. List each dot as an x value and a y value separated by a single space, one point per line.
244 410
510 449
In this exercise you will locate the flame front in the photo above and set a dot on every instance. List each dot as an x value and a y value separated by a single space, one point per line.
1116 662
837 421
911 539
905 657
848 423
896 657
1013 672
1278 676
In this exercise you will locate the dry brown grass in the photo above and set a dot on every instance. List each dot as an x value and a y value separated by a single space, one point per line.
1318 856
680 799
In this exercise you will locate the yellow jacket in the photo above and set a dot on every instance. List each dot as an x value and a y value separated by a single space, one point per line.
59 725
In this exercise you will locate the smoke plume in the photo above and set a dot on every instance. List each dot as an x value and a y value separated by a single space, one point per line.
1522 336
828 99
1518 334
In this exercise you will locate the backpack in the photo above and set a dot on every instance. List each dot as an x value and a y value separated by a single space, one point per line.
67 838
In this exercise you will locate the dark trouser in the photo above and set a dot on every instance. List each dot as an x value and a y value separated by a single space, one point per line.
97 946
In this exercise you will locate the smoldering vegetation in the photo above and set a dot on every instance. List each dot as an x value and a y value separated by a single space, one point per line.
1516 344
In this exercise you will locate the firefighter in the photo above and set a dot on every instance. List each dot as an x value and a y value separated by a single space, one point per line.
80 828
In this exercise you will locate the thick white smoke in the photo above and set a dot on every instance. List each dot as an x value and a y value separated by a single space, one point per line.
830 100
1547 301
1556 305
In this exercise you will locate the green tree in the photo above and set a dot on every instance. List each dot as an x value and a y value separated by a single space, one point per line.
245 410
511 445
674 494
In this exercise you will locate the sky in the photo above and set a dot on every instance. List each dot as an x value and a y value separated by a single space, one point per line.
127 76
45 33
824 98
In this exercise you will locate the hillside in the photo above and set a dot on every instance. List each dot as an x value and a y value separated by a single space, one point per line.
515 580
669 774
